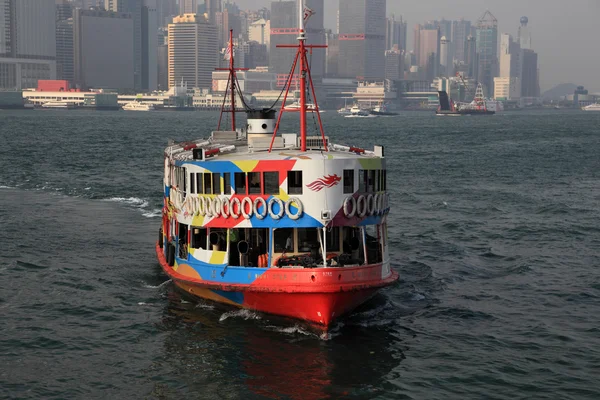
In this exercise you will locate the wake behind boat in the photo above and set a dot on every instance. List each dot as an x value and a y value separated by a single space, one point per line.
291 225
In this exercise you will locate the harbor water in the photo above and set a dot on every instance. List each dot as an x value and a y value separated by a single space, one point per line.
494 229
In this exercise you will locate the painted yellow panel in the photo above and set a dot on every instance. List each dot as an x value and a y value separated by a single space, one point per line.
246 166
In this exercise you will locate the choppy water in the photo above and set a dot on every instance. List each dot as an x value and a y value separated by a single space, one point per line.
495 232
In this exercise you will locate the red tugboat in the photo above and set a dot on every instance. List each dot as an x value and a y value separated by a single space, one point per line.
290 225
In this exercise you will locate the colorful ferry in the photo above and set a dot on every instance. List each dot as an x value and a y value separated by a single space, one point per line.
291 225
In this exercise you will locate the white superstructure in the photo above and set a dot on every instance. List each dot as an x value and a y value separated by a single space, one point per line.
137 106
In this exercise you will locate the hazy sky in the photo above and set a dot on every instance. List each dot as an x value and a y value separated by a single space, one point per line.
564 32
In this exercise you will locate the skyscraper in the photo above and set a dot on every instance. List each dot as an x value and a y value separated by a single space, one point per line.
134 7
529 74
103 60
188 7
487 50
460 31
27 42
427 37
64 50
445 58
362 31
212 7
472 57
394 64
193 51
524 34
395 33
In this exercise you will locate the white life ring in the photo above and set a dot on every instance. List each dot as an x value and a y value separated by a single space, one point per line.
209 207
246 200
189 206
361 210
350 200
272 214
370 204
260 215
201 206
216 206
288 205
376 204
234 201
225 211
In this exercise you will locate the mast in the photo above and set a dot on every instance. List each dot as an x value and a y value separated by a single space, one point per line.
305 77
231 83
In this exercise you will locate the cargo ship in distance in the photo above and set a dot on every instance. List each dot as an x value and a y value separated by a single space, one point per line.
290 225
478 106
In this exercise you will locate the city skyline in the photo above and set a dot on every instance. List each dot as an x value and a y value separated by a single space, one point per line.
561 32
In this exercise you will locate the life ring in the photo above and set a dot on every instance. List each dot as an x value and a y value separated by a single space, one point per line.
288 205
209 207
361 210
201 206
350 200
216 203
370 204
376 204
189 206
225 212
194 206
232 203
246 200
279 214
260 215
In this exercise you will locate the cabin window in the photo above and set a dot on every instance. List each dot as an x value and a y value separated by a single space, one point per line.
271 180
192 183
199 183
308 240
226 183
348 181
283 240
240 182
198 239
207 180
333 239
377 180
294 179
371 181
216 183
362 181
254 183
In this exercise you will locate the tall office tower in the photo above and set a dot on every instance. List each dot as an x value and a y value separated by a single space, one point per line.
149 45
472 57
255 54
163 67
394 64
188 7
510 52
487 49
166 9
427 40
193 51
524 34
395 33
64 50
212 7
103 60
529 74
445 28
332 53
64 10
260 31
446 62
460 31
225 21
362 39
27 42
284 30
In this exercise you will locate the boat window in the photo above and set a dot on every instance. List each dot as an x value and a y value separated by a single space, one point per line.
362 180
199 183
308 240
283 240
348 181
333 239
371 181
271 180
207 179
198 238
192 183
294 179
377 180
240 182
254 183
226 183
216 183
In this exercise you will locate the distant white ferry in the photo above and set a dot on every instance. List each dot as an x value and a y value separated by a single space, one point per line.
138 106
592 107
65 105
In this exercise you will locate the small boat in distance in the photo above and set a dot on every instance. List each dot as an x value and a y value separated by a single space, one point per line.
592 107
382 109
295 106
356 111
138 106
62 105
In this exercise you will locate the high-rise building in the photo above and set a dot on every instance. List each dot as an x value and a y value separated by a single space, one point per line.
163 66
255 54
134 7
212 7
225 21
524 34
260 31
510 57
27 42
394 64
362 31
395 33
284 30
487 49
332 54
166 9
460 31
471 57
103 60
64 50
529 74
64 10
193 51
428 51
188 7
446 61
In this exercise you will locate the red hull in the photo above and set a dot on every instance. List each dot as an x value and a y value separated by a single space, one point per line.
319 303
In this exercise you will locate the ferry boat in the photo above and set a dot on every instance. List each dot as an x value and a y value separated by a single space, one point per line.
592 107
295 106
138 106
290 225
63 105
356 111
